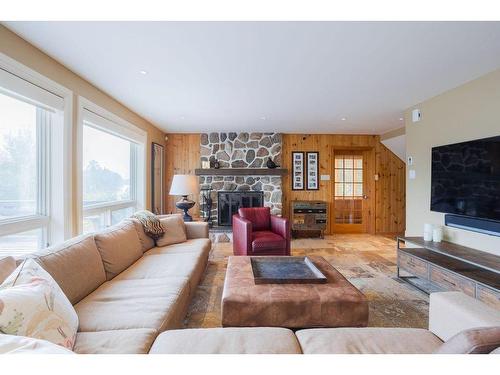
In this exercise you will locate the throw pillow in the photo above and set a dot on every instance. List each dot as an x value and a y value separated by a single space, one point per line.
472 341
175 230
7 266
10 344
33 305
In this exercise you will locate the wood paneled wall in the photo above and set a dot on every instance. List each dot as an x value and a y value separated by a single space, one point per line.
182 155
390 213
387 195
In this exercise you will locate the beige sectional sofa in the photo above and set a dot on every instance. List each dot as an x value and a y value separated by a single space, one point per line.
126 290
131 297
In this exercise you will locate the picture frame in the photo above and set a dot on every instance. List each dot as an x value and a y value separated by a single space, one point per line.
312 174
157 162
298 170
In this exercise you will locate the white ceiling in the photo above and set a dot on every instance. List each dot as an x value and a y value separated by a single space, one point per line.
295 77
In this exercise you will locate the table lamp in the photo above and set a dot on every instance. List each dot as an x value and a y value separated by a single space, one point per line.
184 184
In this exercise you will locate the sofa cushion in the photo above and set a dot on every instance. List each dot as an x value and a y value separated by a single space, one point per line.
75 265
33 305
7 266
472 341
11 344
227 341
196 229
119 247
367 341
127 304
146 241
267 240
126 341
189 265
198 246
175 230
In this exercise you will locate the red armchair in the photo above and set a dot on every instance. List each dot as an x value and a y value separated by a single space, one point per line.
257 232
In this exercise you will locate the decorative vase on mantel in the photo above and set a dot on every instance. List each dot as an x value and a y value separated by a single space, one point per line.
216 164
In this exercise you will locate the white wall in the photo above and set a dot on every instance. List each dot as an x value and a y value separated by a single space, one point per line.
468 112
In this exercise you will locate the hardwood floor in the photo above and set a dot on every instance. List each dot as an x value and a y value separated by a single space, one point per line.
368 261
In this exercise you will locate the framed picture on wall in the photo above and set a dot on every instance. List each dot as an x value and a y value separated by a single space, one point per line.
298 177
157 157
312 163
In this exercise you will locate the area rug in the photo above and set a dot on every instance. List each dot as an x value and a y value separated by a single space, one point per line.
367 261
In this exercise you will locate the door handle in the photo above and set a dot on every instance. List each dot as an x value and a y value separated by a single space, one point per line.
365 196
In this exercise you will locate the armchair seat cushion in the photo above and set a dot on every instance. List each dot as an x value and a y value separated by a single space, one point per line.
266 240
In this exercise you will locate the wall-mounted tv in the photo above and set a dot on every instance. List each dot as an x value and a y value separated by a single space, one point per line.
466 179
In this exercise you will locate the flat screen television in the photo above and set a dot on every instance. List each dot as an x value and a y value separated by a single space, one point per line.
466 179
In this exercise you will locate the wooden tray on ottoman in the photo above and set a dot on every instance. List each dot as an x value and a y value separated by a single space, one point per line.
285 270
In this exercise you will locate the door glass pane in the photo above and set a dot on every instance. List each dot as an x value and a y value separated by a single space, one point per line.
339 190
358 190
348 163
358 175
348 175
18 158
22 243
107 163
358 162
339 175
348 190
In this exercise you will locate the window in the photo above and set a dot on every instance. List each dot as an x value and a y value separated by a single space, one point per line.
28 115
111 172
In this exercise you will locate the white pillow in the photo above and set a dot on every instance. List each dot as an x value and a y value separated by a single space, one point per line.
33 305
10 344
175 230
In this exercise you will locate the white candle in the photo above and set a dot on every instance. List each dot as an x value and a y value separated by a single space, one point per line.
437 234
428 232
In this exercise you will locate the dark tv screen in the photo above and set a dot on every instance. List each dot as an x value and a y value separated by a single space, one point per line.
466 179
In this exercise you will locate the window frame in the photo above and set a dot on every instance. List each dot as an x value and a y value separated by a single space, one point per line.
90 114
54 139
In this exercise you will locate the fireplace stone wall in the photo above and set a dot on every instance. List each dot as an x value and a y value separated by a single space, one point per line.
243 150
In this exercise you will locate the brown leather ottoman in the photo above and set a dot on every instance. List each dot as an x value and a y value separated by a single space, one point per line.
336 303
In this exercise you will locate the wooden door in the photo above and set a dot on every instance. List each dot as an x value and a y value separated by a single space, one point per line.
351 202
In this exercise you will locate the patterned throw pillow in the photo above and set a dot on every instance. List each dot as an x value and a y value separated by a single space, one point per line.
33 305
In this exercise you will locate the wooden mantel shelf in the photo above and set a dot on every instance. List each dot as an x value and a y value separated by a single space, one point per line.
241 172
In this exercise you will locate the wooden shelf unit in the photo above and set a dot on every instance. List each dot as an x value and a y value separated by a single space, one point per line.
444 266
309 216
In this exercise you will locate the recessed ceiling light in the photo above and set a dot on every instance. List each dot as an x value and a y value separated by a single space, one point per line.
401 119
143 72
343 118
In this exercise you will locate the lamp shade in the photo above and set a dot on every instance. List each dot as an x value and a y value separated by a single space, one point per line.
184 184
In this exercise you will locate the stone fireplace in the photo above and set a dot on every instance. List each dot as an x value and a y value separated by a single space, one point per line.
237 152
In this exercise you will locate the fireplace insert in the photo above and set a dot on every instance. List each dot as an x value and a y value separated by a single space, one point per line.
230 201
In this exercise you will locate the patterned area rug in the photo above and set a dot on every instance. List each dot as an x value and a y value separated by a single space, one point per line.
367 261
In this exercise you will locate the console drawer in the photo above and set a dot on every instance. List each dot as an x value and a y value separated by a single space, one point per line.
450 281
488 296
415 266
